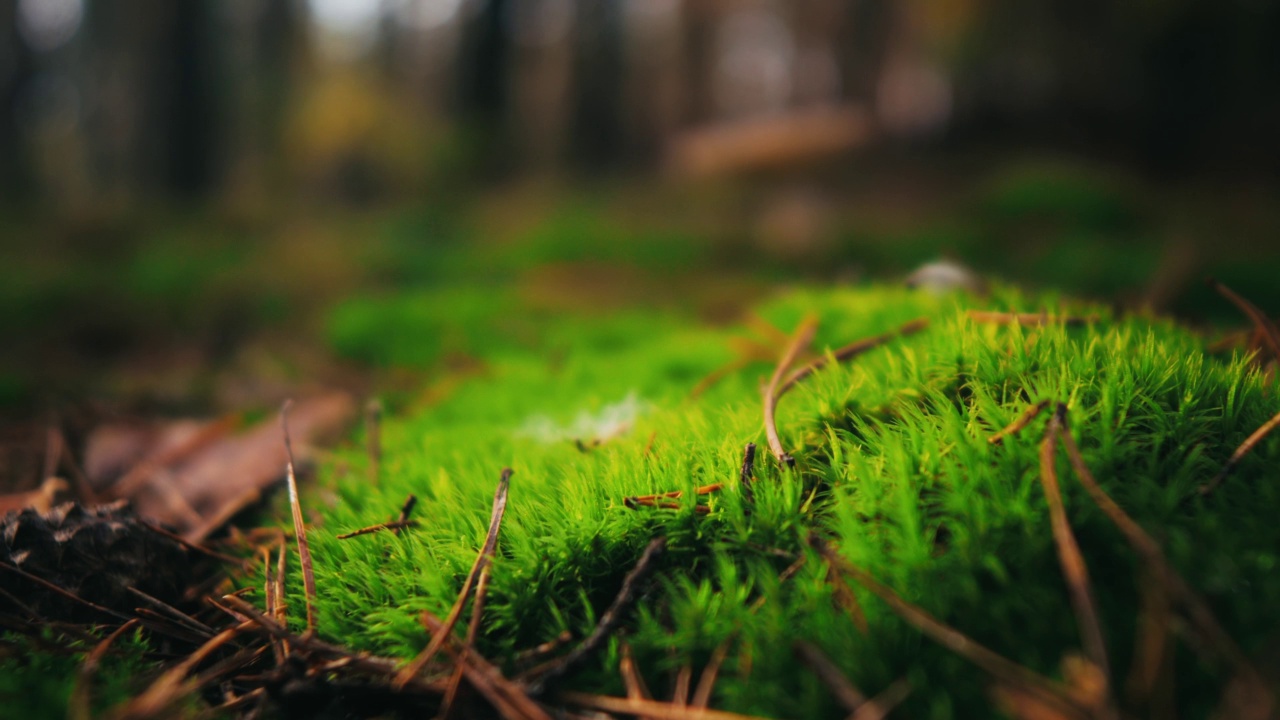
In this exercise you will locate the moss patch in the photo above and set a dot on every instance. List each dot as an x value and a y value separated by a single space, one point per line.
893 467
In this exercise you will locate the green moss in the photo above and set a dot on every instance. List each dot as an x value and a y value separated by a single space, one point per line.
894 467
37 682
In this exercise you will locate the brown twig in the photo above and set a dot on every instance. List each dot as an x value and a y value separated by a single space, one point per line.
707 681
852 350
525 657
1244 449
1074 569
844 691
191 545
631 679
1261 323
482 560
186 620
299 525
240 609
680 688
608 621
473 627
648 708
1020 423
78 706
884 702
650 501
801 339
957 642
508 698
410 502
61 591
1197 609
393 526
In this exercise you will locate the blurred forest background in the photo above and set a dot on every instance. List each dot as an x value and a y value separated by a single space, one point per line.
191 193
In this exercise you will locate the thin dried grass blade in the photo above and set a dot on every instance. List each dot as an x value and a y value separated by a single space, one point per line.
845 693
1245 448
486 553
1261 322
998 666
648 708
173 684
852 350
299 525
799 341
394 525
1201 617
1074 569
78 706
884 702
707 681
608 621
1020 423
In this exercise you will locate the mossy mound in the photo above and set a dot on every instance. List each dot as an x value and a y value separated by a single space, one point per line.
894 469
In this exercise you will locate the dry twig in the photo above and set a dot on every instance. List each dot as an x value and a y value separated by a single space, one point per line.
1244 449
1074 569
482 560
998 666
1261 323
299 525
844 691
607 623
803 336
78 706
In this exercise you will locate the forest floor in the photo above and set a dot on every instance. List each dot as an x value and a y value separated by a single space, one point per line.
549 331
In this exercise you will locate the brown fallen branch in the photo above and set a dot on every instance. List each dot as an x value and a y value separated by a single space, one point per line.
803 336
647 708
538 679
78 705
849 697
299 525
393 525
482 560
1008 318
1074 569
996 665
1020 423
1261 323
1197 610
1245 448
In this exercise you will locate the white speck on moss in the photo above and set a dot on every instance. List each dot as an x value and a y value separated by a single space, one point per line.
608 422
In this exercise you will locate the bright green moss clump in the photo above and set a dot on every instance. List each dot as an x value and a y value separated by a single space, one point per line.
893 466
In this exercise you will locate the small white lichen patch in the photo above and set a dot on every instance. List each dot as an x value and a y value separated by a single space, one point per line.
608 422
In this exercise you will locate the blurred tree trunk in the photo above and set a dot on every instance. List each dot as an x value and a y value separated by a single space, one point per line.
596 124
264 47
152 88
483 82
15 70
